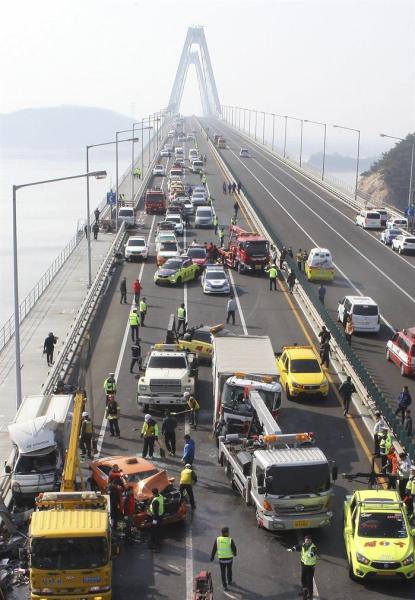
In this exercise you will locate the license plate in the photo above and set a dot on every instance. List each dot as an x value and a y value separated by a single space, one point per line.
388 573
258 267
301 524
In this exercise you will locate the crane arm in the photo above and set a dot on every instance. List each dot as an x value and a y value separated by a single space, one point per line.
72 465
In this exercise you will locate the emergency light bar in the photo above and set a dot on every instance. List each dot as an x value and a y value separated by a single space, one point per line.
288 437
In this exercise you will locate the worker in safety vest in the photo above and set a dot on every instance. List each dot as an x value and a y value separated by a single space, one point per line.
110 386
181 318
112 413
134 320
299 259
143 311
204 180
85 437
194 408
404 472
150 433
156 511
308 564
385 444
410 491
187 479
272 274
225 548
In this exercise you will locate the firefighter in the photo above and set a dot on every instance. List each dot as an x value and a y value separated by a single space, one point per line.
308 564
181 318
85 437
112 413
156 510
110 386
187 479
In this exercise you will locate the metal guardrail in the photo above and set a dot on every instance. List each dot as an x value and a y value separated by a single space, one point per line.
367 389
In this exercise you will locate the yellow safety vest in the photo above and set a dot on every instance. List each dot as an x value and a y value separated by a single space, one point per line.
193 404
410 486
160 500
186 477
181 313
385 445
224 548
109 386
134 319
273 273
150 430
87 427
309 555
143 306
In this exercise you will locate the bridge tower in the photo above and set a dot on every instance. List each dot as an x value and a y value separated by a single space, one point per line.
195 52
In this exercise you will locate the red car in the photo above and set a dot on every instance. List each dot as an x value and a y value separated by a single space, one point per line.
401 350
198 255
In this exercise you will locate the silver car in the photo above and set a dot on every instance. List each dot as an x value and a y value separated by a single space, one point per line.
215 280
204 217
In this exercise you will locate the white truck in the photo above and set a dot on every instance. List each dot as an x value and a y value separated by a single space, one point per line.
169 373
241 363
288 481
39 434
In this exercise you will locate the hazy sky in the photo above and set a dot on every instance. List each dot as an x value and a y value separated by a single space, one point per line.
345 61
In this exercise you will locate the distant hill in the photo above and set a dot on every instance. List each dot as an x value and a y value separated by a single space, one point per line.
59 128
387 179
339 162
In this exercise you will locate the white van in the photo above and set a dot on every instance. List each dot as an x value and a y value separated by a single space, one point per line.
364 312
369 219
126 214
397 223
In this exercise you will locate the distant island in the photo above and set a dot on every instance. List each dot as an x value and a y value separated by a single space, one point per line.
339 162
59 128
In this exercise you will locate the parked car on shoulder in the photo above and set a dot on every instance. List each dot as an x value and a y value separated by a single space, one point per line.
401 350
244 153
368 219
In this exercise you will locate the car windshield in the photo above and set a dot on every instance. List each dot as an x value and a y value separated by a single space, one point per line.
196 252
204 213
173 219
125 212
198 195
136 477
172 264
155 197
382 525
36 464
306 365
260 247
168 247
368 310
167 362
298 479
215 275
394 231
136 243
233 400
69 553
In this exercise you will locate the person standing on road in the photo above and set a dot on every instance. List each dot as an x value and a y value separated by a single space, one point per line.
225 548
272 274
308 564
135 355
291 279
231 309
194 408
346 390
168 430
215 223
112 413
324 335
407 424
229 188
283 256
136 285
123 291
49 347
143 311
377 431
110 386
181 318
385 444
304 259
187 479
239 187
404 401
188 450
224 188
392 468
299 259
221 236
410 492
85 437
236 209
404 471
325 352
97 212
95 230
204 179
150 433
134 320
322 293
348 330
156 510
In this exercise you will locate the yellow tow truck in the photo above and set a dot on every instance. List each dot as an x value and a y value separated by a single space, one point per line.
70 549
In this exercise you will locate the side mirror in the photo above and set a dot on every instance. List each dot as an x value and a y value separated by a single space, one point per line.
334 473
261 489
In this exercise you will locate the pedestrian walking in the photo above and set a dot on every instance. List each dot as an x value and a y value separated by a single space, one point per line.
95 230
86 230
325 352
410 492
233 187
134 320
404 471
283 256
156 511
112 413
308 564
194 408
225 548
404 401
97 212
324 335
346 390
272 274
229 188
85 435
137 287
143 311
181 318
385 444
231 309
407 424
215 223
204 179
168 431
135 355
377 431
123 291
348 330
239 187
236 209
150 433
138 169
299 258
188 450
110 386
187 479
322 294
291 281
224 188
49 347
221 236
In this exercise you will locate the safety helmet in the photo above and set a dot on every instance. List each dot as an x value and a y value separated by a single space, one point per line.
186 395
188 466
85 414
147 417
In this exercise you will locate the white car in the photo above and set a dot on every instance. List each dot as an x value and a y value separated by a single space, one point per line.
159 170
178 223
165 152
215 280
199 199
244 153
364 313
166 250
165 236
403 243
397 223
136 248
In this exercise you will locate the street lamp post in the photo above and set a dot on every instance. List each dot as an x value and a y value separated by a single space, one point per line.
117 133
285 134
256 121
263 128
132 155
249 123
273 131
301 135
358 154
411 171
98 175
324 144
244 119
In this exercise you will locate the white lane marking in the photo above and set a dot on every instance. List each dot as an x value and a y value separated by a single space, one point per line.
122 350
238 303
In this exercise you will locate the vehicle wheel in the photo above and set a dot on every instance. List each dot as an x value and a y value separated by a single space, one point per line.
93 486
403 373
178 280
287 393
400 250
351 573
388 355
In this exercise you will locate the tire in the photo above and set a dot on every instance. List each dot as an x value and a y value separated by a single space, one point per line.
287 393
388 355
400 250
351 573
178 280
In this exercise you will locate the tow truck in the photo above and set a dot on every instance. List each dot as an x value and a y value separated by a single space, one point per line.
70 548
246 251
284 476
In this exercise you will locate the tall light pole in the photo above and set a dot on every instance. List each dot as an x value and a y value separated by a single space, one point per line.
358 153
324 143
249 123
411 170
273 131
301 135
98 175
132 154
244 119
285 134
256 121
117 133
263 128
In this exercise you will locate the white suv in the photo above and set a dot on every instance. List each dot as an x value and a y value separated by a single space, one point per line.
364 312
403 243
136 248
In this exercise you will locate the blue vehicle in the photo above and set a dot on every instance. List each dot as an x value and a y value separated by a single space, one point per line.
388 235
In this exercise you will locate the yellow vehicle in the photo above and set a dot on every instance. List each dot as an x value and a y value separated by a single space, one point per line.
301 373
378 536
319 265
70 535
200 340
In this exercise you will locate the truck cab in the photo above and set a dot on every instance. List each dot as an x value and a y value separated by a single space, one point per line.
155 202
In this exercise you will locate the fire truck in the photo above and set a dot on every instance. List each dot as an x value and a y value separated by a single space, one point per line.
247 250
155 201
